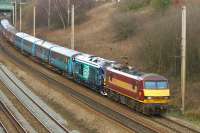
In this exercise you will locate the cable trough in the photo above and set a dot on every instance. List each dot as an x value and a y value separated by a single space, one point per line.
48 118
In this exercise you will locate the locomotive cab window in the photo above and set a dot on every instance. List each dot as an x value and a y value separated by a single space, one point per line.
81 69
156 84
162 85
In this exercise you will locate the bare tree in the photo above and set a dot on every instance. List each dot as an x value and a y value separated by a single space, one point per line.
60 13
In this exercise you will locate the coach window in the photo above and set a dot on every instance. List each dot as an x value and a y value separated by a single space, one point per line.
111 77
62 58
40 49
81 69
54 55
66 59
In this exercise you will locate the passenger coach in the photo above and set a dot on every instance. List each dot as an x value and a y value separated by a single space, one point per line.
42 50
62 58
8 31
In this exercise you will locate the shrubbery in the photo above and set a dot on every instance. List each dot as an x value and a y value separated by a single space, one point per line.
161 43
124 22
160 49
124 25
128 5
160 4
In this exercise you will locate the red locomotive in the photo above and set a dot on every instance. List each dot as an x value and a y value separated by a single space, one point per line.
147 93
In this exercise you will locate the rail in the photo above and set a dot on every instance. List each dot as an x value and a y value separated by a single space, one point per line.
17 88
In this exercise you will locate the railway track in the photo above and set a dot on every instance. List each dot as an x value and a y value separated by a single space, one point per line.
12 119
2 128
47 118
175 126
129 122
15 121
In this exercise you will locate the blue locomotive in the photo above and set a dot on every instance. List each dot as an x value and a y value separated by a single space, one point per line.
90 70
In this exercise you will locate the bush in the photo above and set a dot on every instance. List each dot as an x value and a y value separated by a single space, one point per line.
160 4
124 25
128 5
161 43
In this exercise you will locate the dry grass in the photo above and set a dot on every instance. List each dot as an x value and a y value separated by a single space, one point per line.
96 37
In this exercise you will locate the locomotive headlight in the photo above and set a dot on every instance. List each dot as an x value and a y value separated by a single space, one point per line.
166 97
149 98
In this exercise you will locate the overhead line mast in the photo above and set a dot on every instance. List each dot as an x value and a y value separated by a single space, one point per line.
34 8
72 27
183 62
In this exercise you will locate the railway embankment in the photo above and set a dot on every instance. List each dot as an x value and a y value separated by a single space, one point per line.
63 80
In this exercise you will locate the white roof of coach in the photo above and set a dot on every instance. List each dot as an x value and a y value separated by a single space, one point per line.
28 37
46 44
5 23
64 51
22 34
32 39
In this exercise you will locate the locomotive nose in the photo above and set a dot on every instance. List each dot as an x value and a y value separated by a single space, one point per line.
156 93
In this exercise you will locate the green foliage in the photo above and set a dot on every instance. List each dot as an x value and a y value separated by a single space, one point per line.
128 5
160 4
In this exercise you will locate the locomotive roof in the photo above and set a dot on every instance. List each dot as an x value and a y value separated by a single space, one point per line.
64 51
93 60
124 73
28 37
138 75
153 76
